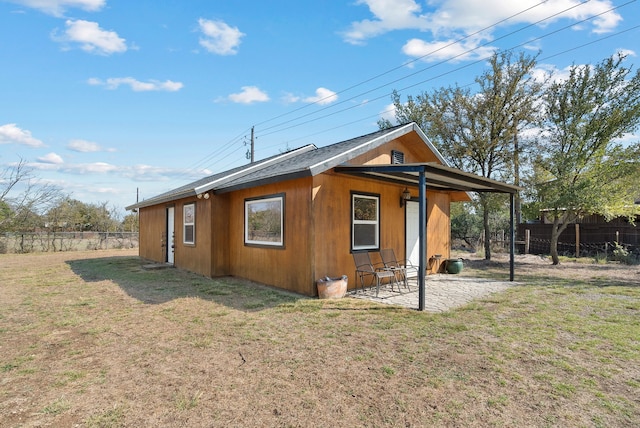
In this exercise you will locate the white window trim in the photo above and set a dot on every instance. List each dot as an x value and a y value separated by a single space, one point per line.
375 222
185 223
247 204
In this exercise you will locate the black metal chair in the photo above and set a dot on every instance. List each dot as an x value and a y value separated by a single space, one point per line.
400 268
366 269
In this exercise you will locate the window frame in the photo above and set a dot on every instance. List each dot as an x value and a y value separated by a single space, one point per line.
248 202
192 223
354 222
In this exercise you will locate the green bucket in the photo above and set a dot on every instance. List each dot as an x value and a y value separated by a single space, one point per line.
453 265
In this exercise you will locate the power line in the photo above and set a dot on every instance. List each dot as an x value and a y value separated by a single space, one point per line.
209 157
448 72
427 68
457 41
434 65
203 161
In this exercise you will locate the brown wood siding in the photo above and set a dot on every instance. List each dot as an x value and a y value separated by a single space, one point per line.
203 257
411 145
317 226
415 151
220 235
194 257
332 222
438 224
153 222
289 267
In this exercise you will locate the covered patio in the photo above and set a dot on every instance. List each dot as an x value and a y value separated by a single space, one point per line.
442 178
444 292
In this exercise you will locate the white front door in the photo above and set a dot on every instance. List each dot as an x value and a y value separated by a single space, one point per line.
170 234
412 232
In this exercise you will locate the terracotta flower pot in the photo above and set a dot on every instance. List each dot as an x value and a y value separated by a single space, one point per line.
332 288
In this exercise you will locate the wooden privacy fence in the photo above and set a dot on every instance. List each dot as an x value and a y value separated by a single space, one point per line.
31 242
577 239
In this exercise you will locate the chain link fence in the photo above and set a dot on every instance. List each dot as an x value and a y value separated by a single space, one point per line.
33 242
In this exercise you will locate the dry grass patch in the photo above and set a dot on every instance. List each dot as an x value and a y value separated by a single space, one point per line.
92 339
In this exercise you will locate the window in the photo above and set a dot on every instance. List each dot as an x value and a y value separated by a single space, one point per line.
189 221
365 222
264 221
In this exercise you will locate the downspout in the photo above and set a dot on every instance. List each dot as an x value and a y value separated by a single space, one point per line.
422 238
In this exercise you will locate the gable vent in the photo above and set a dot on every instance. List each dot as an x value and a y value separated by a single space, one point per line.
397 157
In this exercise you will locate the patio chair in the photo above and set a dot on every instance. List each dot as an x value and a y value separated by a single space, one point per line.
365 269
400 268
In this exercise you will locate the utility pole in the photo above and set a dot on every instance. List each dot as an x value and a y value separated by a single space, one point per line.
252 144
516 178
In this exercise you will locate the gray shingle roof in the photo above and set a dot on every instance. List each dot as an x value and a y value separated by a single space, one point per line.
306 161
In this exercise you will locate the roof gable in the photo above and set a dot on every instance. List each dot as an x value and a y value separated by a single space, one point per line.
303 162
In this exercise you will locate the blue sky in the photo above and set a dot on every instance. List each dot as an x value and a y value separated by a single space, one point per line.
105 97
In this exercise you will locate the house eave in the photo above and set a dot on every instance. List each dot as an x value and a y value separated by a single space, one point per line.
368 145
438 177
262 182
161 200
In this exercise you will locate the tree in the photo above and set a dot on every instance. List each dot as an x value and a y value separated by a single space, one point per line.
580 168
466 226
130 223
73 215
23 198
480 132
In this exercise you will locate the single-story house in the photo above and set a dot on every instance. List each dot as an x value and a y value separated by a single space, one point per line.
295 217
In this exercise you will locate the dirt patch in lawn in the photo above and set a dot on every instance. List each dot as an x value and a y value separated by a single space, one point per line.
95 339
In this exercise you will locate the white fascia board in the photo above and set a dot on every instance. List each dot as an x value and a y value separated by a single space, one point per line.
329 163
430 144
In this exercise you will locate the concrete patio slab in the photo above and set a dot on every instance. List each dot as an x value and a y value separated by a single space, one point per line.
443 292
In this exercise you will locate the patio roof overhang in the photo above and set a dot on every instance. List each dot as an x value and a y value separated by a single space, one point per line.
437 177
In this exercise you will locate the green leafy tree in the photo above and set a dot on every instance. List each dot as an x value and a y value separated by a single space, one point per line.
131 223
580 169
480 132
74 215
466 225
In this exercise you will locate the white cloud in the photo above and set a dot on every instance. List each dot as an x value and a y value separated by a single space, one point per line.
145 173
389 113
91 37
389 15
249 95
626 52
289 98
543 71
323 96
52 158
219 38
445 50
58 7
471 15
11 134
79 169
137 85
84 146
456 19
